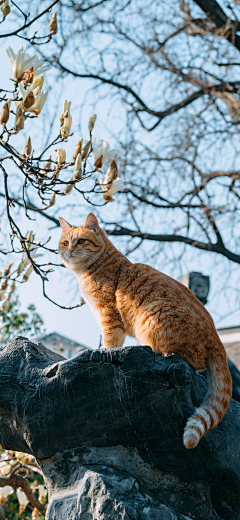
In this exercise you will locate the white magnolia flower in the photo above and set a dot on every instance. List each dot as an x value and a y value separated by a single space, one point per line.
38 82
61 155
66 127
25 93
22 61
42 493
5 468
66 110
33 99
109 188
102 152
117 185
77 174
4 493
40 99
22 499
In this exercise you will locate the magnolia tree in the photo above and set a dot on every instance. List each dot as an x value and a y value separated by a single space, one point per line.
49 177
170 70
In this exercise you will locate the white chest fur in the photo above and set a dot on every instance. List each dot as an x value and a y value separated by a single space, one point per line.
91 303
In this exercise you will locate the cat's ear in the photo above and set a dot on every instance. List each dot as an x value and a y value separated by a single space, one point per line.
64 225
92 223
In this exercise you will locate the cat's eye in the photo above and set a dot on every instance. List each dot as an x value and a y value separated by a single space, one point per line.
65 243
81 240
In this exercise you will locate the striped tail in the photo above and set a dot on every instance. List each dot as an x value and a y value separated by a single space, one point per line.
215 404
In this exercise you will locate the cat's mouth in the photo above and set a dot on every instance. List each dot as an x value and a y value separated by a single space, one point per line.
71 257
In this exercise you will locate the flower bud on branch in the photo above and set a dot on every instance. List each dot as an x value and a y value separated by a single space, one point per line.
112 171
28 147
47 166
28 76
53 24
86 150
68 188
19 121
52 199
27 274
78 148
61 155
78 168
92 121
22 499
4 116
66 107
29 101
8 269
5 8
66 127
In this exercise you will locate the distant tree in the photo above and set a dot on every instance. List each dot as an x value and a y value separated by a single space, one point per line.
15 323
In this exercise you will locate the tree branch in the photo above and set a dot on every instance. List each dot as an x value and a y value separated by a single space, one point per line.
31 207
215 248
219 18
26 25
208 89
17 481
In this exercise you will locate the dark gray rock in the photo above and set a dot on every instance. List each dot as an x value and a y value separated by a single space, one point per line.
235 380
107 426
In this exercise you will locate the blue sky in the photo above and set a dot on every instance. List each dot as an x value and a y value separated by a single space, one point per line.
78 324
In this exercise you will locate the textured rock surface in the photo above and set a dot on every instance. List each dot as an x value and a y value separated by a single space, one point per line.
235 380
106 427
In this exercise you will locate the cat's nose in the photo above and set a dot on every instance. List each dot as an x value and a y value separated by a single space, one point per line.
70 250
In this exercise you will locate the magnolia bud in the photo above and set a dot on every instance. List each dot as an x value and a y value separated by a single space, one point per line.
38 82
53 24
20 267
5 305
34 514
65 129
85 150
98 163
28 147
19 121
66 107
108 198
27 274
4 116
78 148
68 188
29 101
78 168
61 155
28 76
52 199
47 166
112 172
8 269
92 121
5 8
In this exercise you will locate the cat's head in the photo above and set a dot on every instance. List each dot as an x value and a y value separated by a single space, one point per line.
80 246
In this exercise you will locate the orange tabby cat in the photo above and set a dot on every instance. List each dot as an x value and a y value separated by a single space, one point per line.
137 300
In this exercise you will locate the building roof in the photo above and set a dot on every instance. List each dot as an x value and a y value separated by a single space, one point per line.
55 339
229 334
230 337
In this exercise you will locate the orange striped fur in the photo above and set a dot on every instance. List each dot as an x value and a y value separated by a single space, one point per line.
137 300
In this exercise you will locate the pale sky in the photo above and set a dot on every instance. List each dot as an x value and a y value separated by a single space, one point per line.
78 324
